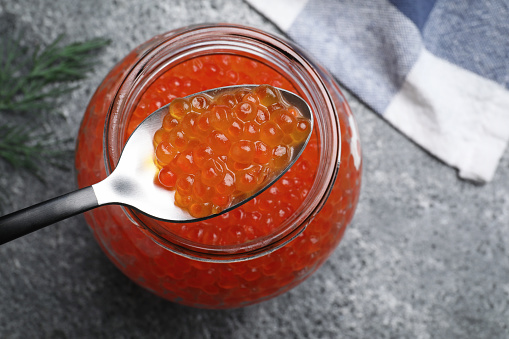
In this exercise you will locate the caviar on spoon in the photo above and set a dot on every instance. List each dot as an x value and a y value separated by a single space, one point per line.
190 160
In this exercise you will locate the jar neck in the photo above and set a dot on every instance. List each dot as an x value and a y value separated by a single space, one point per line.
165 52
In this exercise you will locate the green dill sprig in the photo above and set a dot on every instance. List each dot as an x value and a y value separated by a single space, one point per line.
32 80
26 149
36 82
23 148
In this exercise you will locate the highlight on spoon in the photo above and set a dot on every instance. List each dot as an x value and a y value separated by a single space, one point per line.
216 149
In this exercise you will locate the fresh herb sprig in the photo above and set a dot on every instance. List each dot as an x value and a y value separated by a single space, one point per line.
25 149
32 82
36 82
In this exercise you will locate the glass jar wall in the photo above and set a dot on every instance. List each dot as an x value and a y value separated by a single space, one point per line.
262 248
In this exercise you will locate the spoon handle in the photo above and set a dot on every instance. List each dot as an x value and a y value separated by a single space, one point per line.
35 217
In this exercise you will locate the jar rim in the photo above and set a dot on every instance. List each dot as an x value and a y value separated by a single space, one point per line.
183 43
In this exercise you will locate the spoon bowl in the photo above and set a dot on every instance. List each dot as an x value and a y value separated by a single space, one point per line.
132 182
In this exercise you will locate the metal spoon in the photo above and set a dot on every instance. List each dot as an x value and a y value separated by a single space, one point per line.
132 182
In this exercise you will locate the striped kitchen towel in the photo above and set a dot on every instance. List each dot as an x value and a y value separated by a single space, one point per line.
438 70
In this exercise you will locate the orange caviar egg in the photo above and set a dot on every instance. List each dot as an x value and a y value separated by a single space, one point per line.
165 153
285 120
199 103
214 149
280 156
201 154
251 131
160 136
185 184
178 139
235 129
262 154
271 134
169 122
212 172
243 151
219 142
179 108
267 95
219 118
302 130
262 115
167 178
227 99
245 111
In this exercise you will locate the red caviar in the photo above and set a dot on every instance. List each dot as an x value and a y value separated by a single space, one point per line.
220 284
194 157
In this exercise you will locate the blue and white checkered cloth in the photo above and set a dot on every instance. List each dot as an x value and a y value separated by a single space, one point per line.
438 70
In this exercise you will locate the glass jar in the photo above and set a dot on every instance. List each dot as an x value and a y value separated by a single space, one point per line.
263 248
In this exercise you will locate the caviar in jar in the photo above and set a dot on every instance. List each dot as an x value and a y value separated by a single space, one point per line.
262 248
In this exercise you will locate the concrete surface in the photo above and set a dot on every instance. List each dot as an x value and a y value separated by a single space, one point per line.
425 257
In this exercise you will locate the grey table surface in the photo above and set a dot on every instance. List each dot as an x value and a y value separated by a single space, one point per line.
425 257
